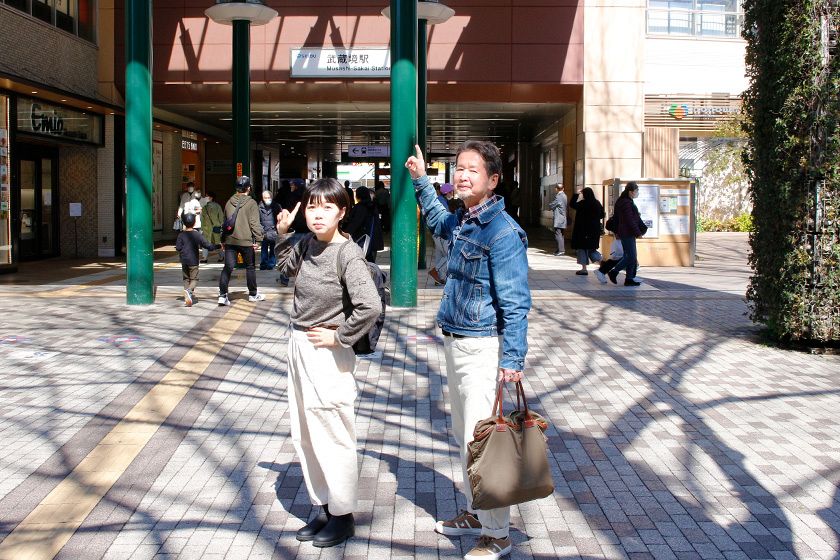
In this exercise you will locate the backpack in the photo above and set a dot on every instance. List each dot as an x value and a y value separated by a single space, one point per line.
230 223
367 344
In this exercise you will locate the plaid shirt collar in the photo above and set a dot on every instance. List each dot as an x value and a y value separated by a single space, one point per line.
476 211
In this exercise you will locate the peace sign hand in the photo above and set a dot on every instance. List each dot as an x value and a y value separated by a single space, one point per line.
285 219
415 164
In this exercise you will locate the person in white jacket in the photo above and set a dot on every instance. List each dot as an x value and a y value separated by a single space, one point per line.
559 205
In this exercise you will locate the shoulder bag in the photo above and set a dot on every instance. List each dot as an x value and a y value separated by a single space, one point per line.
507 460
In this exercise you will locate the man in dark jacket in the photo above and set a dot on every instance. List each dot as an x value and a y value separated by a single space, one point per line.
246 237
364 220
268 220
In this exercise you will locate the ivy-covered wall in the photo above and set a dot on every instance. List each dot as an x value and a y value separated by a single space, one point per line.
793 165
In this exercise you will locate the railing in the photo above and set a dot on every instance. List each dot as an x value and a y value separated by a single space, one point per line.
697 23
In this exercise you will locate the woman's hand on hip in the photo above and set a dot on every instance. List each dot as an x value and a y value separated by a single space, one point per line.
321 337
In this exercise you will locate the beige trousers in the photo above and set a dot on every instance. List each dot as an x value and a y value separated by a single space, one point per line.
472 367
322 391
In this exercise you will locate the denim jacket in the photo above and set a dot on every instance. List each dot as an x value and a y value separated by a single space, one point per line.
486 291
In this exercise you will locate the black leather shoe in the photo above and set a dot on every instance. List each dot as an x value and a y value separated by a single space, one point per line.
613 276
308 531
338 529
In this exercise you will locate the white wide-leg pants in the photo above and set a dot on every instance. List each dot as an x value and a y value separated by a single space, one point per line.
322 391
472 367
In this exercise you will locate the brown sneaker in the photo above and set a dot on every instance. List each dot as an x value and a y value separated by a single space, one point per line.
464 524
488 548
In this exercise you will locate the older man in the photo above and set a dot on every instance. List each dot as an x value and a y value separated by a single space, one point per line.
483 313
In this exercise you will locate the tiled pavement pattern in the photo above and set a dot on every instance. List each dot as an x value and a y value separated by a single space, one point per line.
675 432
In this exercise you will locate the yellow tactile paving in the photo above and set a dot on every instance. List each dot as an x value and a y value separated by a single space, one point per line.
51 524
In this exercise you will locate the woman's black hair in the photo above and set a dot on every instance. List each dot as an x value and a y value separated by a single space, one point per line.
628 188
588 194
325 190
363 194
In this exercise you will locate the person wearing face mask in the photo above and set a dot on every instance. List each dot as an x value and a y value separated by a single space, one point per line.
335 304
193 206
186 197
629 226
268 220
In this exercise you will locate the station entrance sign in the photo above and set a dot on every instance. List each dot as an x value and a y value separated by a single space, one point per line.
369 151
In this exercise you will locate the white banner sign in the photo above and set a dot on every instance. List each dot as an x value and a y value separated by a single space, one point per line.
341 63
369 151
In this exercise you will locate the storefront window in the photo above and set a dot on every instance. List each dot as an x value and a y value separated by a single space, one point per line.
701 18
73 16
5 185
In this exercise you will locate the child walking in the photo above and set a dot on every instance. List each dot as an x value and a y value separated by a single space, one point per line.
335 304
188 244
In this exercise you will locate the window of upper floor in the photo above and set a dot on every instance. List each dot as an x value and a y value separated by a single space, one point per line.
712 19
77 17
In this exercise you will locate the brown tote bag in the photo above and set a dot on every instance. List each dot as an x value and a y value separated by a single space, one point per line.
507 462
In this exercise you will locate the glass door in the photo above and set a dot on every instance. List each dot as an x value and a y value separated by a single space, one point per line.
28 228
38 223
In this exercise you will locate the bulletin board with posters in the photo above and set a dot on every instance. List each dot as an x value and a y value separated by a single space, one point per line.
5 186
667 208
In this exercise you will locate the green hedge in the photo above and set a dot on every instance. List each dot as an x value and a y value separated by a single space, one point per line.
741 223
792 108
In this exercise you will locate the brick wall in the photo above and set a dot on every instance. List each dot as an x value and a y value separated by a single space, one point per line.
78 183
39 52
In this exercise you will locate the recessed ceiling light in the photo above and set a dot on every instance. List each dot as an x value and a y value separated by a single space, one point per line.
63 100
34 93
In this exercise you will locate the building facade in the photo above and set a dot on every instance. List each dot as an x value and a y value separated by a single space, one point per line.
573 91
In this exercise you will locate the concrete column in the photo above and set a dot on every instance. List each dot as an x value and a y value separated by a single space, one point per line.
610 121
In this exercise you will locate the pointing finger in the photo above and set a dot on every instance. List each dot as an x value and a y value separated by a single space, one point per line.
294 211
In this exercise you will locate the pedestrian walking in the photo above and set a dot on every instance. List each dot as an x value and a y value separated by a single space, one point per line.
188 244
211 225
628 227
268 220
364 220
191 205
382 198
243 241
586 231
335 304
559 208
351 196
483 314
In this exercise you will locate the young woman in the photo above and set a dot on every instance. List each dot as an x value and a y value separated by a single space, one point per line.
335 304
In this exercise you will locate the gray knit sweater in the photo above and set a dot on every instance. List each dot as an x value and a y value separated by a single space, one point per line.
319 299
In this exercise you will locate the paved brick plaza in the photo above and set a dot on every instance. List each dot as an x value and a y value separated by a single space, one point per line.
675 432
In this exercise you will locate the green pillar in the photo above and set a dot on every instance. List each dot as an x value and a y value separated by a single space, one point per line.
241 98
138 152
403 138
422 88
